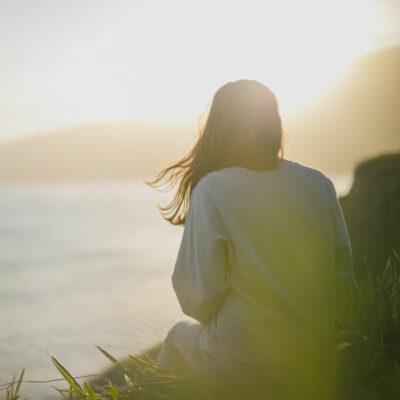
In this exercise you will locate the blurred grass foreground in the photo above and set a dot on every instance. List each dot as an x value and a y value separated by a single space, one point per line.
368 324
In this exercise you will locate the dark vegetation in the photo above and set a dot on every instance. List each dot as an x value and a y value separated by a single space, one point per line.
372 213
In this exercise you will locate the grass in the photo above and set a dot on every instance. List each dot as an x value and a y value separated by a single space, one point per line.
369 328
368 349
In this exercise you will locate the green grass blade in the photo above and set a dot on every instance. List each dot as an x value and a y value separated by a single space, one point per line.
19 382
108 355
68 377
90 392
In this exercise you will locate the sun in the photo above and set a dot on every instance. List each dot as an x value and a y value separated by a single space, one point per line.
164 60
297 48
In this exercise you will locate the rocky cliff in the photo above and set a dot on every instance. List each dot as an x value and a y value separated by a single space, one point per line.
372 212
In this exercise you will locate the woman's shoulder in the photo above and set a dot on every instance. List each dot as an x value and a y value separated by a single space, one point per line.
317 181
213 185
315 173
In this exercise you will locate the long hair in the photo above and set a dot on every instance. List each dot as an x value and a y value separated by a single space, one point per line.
243 129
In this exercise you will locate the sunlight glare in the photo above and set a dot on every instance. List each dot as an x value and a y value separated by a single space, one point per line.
163 61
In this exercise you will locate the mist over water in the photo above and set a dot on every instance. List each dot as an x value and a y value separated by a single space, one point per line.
84 265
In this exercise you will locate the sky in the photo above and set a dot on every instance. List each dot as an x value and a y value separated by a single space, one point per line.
72 62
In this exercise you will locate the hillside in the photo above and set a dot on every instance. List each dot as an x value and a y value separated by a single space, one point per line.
358 119
98 151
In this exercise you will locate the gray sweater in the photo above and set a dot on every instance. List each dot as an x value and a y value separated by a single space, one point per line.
262 257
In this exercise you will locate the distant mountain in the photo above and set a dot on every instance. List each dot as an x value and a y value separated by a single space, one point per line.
358 119
98 151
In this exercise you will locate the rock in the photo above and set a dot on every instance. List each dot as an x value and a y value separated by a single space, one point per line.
372 212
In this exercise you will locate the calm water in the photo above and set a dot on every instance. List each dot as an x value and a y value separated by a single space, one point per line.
83 265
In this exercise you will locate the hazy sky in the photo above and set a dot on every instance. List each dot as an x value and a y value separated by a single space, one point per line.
67 62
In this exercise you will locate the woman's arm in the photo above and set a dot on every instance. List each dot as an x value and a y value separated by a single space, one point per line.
200 276
343 251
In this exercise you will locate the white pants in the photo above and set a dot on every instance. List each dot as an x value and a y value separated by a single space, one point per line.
180 352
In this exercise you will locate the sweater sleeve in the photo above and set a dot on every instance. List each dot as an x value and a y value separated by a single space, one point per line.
200 277
343 250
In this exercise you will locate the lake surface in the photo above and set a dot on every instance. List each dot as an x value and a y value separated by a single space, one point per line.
84 265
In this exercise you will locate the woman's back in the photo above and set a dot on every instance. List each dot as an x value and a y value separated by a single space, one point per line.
258 262
264 253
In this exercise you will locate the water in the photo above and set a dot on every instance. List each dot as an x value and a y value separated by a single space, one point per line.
83 265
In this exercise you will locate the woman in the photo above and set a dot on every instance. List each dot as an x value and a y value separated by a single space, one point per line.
265 254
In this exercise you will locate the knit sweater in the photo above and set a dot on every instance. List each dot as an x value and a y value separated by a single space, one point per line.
262 256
